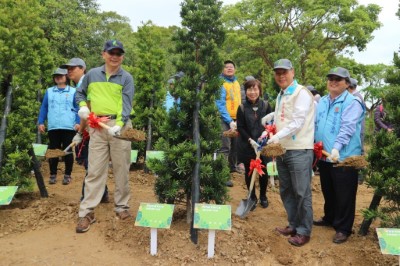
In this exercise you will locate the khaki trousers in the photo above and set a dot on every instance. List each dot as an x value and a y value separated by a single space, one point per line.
102 147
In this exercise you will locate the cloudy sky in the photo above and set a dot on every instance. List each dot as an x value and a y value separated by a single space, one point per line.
166 13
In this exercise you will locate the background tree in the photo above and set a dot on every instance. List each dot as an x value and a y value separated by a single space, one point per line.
149 81
310 33
197 43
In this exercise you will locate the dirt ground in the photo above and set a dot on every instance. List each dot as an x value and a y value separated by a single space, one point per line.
41 231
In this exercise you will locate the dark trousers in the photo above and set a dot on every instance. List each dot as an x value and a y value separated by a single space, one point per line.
262 179
339 187
229 148
60 139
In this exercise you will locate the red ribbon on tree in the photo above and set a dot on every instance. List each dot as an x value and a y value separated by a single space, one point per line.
94 120
256 164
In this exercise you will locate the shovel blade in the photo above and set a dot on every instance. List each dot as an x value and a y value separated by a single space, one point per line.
245 207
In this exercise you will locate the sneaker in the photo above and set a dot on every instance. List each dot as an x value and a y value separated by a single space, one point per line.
240 168
85 222
264 202
66 180
123 215
53 179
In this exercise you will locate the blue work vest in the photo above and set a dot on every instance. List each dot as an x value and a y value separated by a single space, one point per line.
60 105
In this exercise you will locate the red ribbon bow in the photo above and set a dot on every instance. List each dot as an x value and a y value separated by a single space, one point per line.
318 150
256 164
271 129
94 120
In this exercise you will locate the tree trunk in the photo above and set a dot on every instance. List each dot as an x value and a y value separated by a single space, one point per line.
149 129
3 127
38 174
376 199
196 171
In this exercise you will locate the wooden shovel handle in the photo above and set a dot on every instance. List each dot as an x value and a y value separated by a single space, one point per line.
70 146
327 154
253 175
104 125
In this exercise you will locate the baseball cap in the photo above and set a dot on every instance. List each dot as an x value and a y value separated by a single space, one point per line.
74 62
249 78
283 64
60 71
229 62
353 83
179 75
113 44
312 89
171 81
340 72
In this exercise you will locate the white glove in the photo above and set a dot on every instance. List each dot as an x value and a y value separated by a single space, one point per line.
114 131
254 144
232 125
274 139
77 138
334 155
266 119
83 112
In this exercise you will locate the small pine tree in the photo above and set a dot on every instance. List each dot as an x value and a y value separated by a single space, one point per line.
198 43
149 92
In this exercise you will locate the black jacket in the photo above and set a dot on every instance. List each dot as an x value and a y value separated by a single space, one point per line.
249 126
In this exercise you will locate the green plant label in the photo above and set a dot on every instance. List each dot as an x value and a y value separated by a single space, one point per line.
154 215
389 240
154 155
39 149
271 169
212 216
7 194
134 154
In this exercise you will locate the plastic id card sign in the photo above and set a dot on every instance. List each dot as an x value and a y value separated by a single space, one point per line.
389 240
7 194
212 216
154 215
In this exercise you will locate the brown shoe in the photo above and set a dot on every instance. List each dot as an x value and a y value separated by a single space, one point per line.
124 215
340 238
287 231
299 240
85 222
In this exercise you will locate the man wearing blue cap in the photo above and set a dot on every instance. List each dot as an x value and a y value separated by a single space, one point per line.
111 92
294 120
338 126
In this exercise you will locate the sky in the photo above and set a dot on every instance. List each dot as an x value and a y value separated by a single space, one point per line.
166 13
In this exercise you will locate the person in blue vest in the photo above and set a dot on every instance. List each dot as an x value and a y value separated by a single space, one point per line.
172 99
62 122
338 125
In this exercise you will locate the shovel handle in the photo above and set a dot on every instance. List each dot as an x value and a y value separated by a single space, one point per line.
327 154
253 176
70 146
104 125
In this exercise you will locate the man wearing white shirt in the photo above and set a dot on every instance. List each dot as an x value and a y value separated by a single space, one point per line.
294 119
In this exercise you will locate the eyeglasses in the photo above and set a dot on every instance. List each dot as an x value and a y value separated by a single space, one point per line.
118 54
335 78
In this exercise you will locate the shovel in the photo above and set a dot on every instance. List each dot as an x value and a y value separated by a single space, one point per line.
355 161
59 153
246 204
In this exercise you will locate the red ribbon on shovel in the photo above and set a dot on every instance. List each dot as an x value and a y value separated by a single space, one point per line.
256 164
94 120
